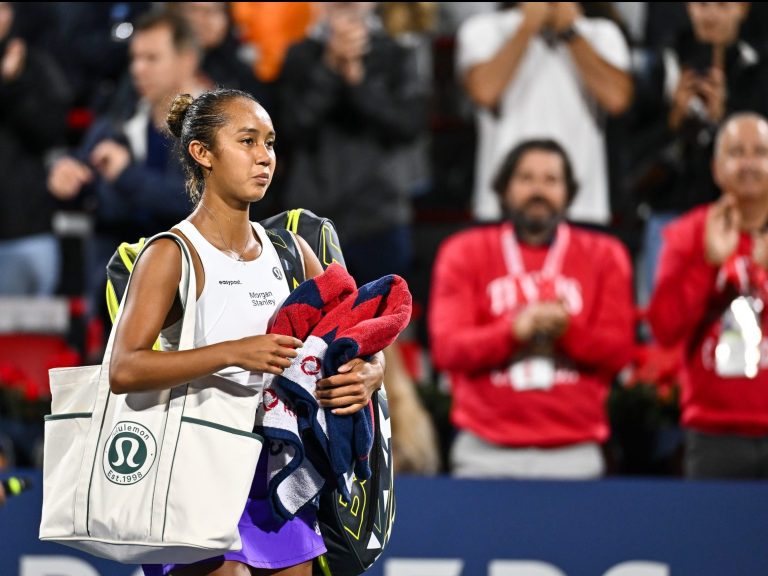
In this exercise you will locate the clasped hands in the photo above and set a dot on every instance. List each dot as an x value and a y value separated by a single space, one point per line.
559 16
547 319
68 175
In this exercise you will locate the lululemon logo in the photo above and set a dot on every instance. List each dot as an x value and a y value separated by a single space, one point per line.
277 273
129 453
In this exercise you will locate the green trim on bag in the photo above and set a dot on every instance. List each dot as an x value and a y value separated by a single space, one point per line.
175 448
322 562
49 417
222 428
292 223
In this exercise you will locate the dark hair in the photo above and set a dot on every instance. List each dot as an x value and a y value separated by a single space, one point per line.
182 34
509 165
199 119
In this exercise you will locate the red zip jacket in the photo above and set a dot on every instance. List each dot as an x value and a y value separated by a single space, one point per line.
473 302
686 307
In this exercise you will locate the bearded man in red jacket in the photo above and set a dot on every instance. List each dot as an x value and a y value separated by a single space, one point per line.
532 318
711 294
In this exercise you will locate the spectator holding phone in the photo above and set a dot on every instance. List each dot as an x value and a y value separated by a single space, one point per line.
708 73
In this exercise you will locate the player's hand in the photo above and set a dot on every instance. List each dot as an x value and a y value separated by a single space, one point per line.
352 388
268 353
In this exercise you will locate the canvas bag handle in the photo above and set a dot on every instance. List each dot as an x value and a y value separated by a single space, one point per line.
187 294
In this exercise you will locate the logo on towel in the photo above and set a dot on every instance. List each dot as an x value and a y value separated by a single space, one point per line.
310 365
129 453
270 399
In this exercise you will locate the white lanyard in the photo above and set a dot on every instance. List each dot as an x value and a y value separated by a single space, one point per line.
533 372
553 262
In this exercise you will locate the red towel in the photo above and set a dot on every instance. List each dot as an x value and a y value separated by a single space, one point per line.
337 322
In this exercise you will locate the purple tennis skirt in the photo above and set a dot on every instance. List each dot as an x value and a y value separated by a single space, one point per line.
267 542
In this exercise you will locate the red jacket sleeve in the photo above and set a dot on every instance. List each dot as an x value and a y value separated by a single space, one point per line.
684 286
459 340
603 339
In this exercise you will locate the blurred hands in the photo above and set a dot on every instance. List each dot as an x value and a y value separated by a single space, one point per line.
709 89
549 319
536 15
13 61
67 176
110 159
348 42
564 14
721 234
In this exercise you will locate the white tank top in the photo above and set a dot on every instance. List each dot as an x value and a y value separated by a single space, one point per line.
238 298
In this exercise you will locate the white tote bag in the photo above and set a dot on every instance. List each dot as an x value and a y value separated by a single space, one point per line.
148 477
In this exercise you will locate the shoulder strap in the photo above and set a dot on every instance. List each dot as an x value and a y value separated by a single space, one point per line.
122 263
187 284
290 255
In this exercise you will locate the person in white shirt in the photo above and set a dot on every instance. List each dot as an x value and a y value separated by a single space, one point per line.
545 70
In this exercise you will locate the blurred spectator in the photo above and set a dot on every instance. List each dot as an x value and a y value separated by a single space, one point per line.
33 103
223 60
92 38
351 103
531 318
708 73
270 28
127 162
412 25
711 297
545 70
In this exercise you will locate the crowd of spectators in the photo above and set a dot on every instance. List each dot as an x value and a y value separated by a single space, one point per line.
407 122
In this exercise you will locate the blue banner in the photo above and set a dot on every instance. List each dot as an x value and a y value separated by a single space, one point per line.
447 527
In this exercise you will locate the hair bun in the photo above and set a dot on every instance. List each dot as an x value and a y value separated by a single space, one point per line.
178 112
